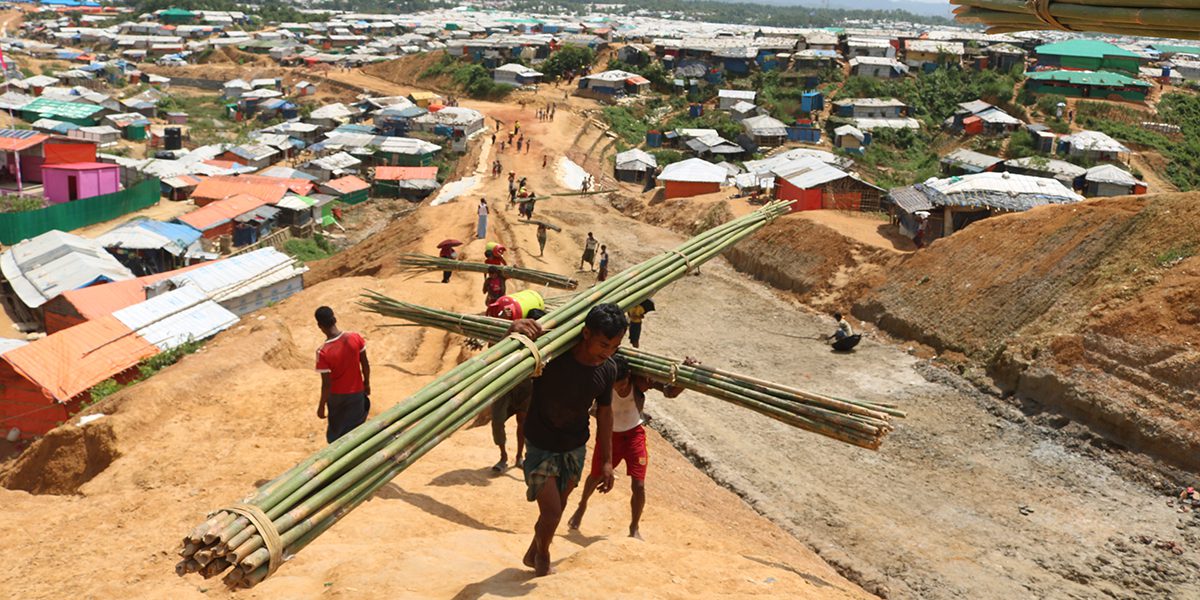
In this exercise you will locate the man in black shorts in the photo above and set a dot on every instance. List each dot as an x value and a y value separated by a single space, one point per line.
556 428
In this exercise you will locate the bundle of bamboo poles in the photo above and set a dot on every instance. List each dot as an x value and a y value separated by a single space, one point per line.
549 226
855 422
249 540
424 262
519 200
1151 18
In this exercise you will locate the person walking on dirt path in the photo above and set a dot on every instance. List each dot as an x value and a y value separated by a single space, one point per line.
494 286
919 237
517 126
452 254
636 315
556 427
493 138
528 145
628 443
589 252
481 225
843 328
519 141
345 377
603 263
542 232
515 403
545 159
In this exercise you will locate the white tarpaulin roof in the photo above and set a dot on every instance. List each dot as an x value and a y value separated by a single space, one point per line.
694 170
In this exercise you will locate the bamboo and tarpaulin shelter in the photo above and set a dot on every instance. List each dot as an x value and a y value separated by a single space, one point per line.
1147 18
249 539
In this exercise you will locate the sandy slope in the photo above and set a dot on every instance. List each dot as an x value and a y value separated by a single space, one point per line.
202 433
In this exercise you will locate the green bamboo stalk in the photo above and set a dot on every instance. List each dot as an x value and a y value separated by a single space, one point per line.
422 263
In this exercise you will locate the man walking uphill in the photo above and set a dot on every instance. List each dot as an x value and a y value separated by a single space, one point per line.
345 377
556 427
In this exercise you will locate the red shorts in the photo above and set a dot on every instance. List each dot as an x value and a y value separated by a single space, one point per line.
628 446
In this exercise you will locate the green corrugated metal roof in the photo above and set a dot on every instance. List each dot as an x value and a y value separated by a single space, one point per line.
58 108
177 12
1173 49
1087 78
1084 48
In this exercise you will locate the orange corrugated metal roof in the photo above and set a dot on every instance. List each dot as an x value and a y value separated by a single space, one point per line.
220 188
23 141
97 301
218 212
348 184
405 173
68 363
224 164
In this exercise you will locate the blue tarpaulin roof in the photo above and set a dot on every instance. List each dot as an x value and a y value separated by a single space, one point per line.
183 235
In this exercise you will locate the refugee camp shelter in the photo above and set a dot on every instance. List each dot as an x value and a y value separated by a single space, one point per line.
516 75
691 177
877 67
215 219
79 113
38 269
23 153
929 54
1040 166
850 138
147 246
1087 55
85 304
1111 180
242 283
1088 84
765 130
349 189
610 85
815 185
955 202
963 162
726 99
635 166
1095 146
47 380
75 181
413 183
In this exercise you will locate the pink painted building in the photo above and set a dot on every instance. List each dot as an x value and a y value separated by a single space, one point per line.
76 181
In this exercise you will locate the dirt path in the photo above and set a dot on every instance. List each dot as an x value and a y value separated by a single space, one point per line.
862 227
969 498
1150 173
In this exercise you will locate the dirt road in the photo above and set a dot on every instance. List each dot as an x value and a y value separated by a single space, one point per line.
969 498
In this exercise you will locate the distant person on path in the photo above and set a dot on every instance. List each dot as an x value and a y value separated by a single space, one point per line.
628 441
589 252
556 428
636 315
451 253
919 237
345 377
603 264
541 238
481 226
494 286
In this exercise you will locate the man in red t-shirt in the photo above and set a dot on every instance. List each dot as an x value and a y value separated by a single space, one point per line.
345 377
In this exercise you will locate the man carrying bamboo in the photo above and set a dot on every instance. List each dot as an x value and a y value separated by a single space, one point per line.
556 428
628 443
345 377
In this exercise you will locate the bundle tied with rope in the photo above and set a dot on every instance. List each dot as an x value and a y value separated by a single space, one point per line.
1147 18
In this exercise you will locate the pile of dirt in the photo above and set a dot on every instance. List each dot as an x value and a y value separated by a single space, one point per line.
1090 310
63 460
410 71
228 55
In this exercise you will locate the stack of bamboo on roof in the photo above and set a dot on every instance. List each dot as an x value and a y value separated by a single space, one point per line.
852 421
248 540
423 262
1153 18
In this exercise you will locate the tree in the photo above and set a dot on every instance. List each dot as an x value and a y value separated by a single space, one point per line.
568 59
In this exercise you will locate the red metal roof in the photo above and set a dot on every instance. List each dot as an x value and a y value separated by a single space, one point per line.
220 188
68 363
348 184
20 140
404 173
221 211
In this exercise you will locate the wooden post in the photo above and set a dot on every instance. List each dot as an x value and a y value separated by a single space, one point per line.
947 221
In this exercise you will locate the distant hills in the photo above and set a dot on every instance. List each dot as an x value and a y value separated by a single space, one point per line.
938 8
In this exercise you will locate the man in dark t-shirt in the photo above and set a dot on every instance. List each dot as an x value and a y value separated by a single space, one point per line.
556 427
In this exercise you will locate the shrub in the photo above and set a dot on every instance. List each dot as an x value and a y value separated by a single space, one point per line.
567 58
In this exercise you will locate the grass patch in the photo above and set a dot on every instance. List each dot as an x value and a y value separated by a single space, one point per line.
310 249
1123 123
1175 256
627 122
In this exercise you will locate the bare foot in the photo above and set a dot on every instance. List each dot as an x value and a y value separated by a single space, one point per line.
542 565
635 534
576 519
528 559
